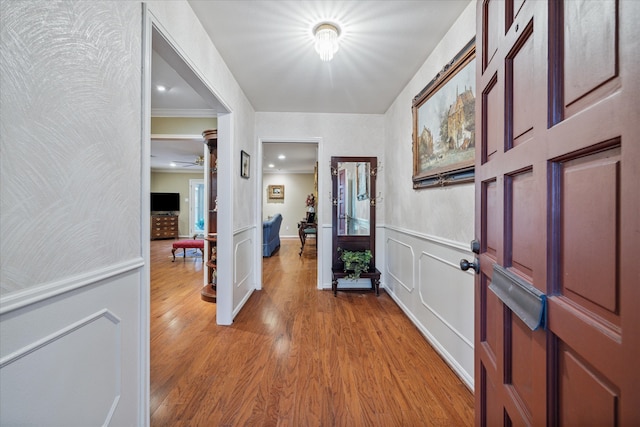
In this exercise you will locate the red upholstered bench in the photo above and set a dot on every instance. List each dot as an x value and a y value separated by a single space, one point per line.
187 244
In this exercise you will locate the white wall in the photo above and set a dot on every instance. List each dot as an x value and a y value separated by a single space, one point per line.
293 207
72 275
429 230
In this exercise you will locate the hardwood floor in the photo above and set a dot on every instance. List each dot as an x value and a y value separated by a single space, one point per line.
294 356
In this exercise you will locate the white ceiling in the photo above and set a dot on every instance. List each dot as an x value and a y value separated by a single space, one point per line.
299 157
179 95
268 47
176 154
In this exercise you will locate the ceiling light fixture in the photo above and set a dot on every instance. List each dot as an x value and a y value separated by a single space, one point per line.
161 88
326 36
282 157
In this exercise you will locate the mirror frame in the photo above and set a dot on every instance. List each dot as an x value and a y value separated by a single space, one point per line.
351 242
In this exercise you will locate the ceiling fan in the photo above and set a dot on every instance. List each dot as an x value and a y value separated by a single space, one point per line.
199 161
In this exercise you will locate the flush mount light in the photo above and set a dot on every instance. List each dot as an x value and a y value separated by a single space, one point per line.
282 157
271 165
161 88
326 36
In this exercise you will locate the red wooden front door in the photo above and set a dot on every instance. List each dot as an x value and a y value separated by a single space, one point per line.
558 209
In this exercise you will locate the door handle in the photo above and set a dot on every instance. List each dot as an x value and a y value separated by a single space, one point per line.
465 265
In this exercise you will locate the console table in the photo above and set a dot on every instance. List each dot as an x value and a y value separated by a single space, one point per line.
374 276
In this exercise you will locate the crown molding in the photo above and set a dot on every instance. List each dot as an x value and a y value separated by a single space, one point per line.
168 112
176 136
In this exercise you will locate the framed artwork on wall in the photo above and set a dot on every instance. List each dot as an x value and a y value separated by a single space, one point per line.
275 191
245 165
444 124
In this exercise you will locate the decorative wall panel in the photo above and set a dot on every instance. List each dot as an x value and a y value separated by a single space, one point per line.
400 263
442 307
57 359
440 283
74 359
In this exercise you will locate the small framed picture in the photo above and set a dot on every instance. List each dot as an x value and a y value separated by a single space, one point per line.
275 191
245 164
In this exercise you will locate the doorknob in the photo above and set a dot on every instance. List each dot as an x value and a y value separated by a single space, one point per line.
465 265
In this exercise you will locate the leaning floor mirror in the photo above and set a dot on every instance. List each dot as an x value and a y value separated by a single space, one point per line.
353 206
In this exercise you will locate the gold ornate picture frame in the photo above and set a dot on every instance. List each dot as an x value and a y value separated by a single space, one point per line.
444 124
275 191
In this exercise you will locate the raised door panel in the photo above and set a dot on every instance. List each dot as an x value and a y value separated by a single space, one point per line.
590 43
494 18
522 223
587 398
520 79
589 201
491 120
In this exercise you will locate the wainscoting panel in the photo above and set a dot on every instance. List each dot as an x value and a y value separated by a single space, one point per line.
243 269
99 337
324 271
401 260
424 278
74 356
440 283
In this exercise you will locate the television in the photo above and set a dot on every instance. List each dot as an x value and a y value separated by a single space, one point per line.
165 202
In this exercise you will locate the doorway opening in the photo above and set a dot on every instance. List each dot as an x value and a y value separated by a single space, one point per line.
289 186
196 207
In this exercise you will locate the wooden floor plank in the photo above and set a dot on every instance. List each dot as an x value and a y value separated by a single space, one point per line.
293 356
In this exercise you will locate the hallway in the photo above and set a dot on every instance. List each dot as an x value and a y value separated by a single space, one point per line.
293 356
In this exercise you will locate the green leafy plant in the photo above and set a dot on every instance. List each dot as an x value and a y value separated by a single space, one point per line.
355 262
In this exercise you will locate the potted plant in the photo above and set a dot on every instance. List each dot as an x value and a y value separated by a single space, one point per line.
355 262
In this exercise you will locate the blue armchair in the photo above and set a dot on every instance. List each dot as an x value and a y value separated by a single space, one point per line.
271 235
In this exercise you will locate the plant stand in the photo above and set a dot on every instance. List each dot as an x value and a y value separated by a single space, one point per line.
374 276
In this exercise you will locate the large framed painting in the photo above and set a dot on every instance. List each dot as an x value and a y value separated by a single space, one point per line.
444 124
